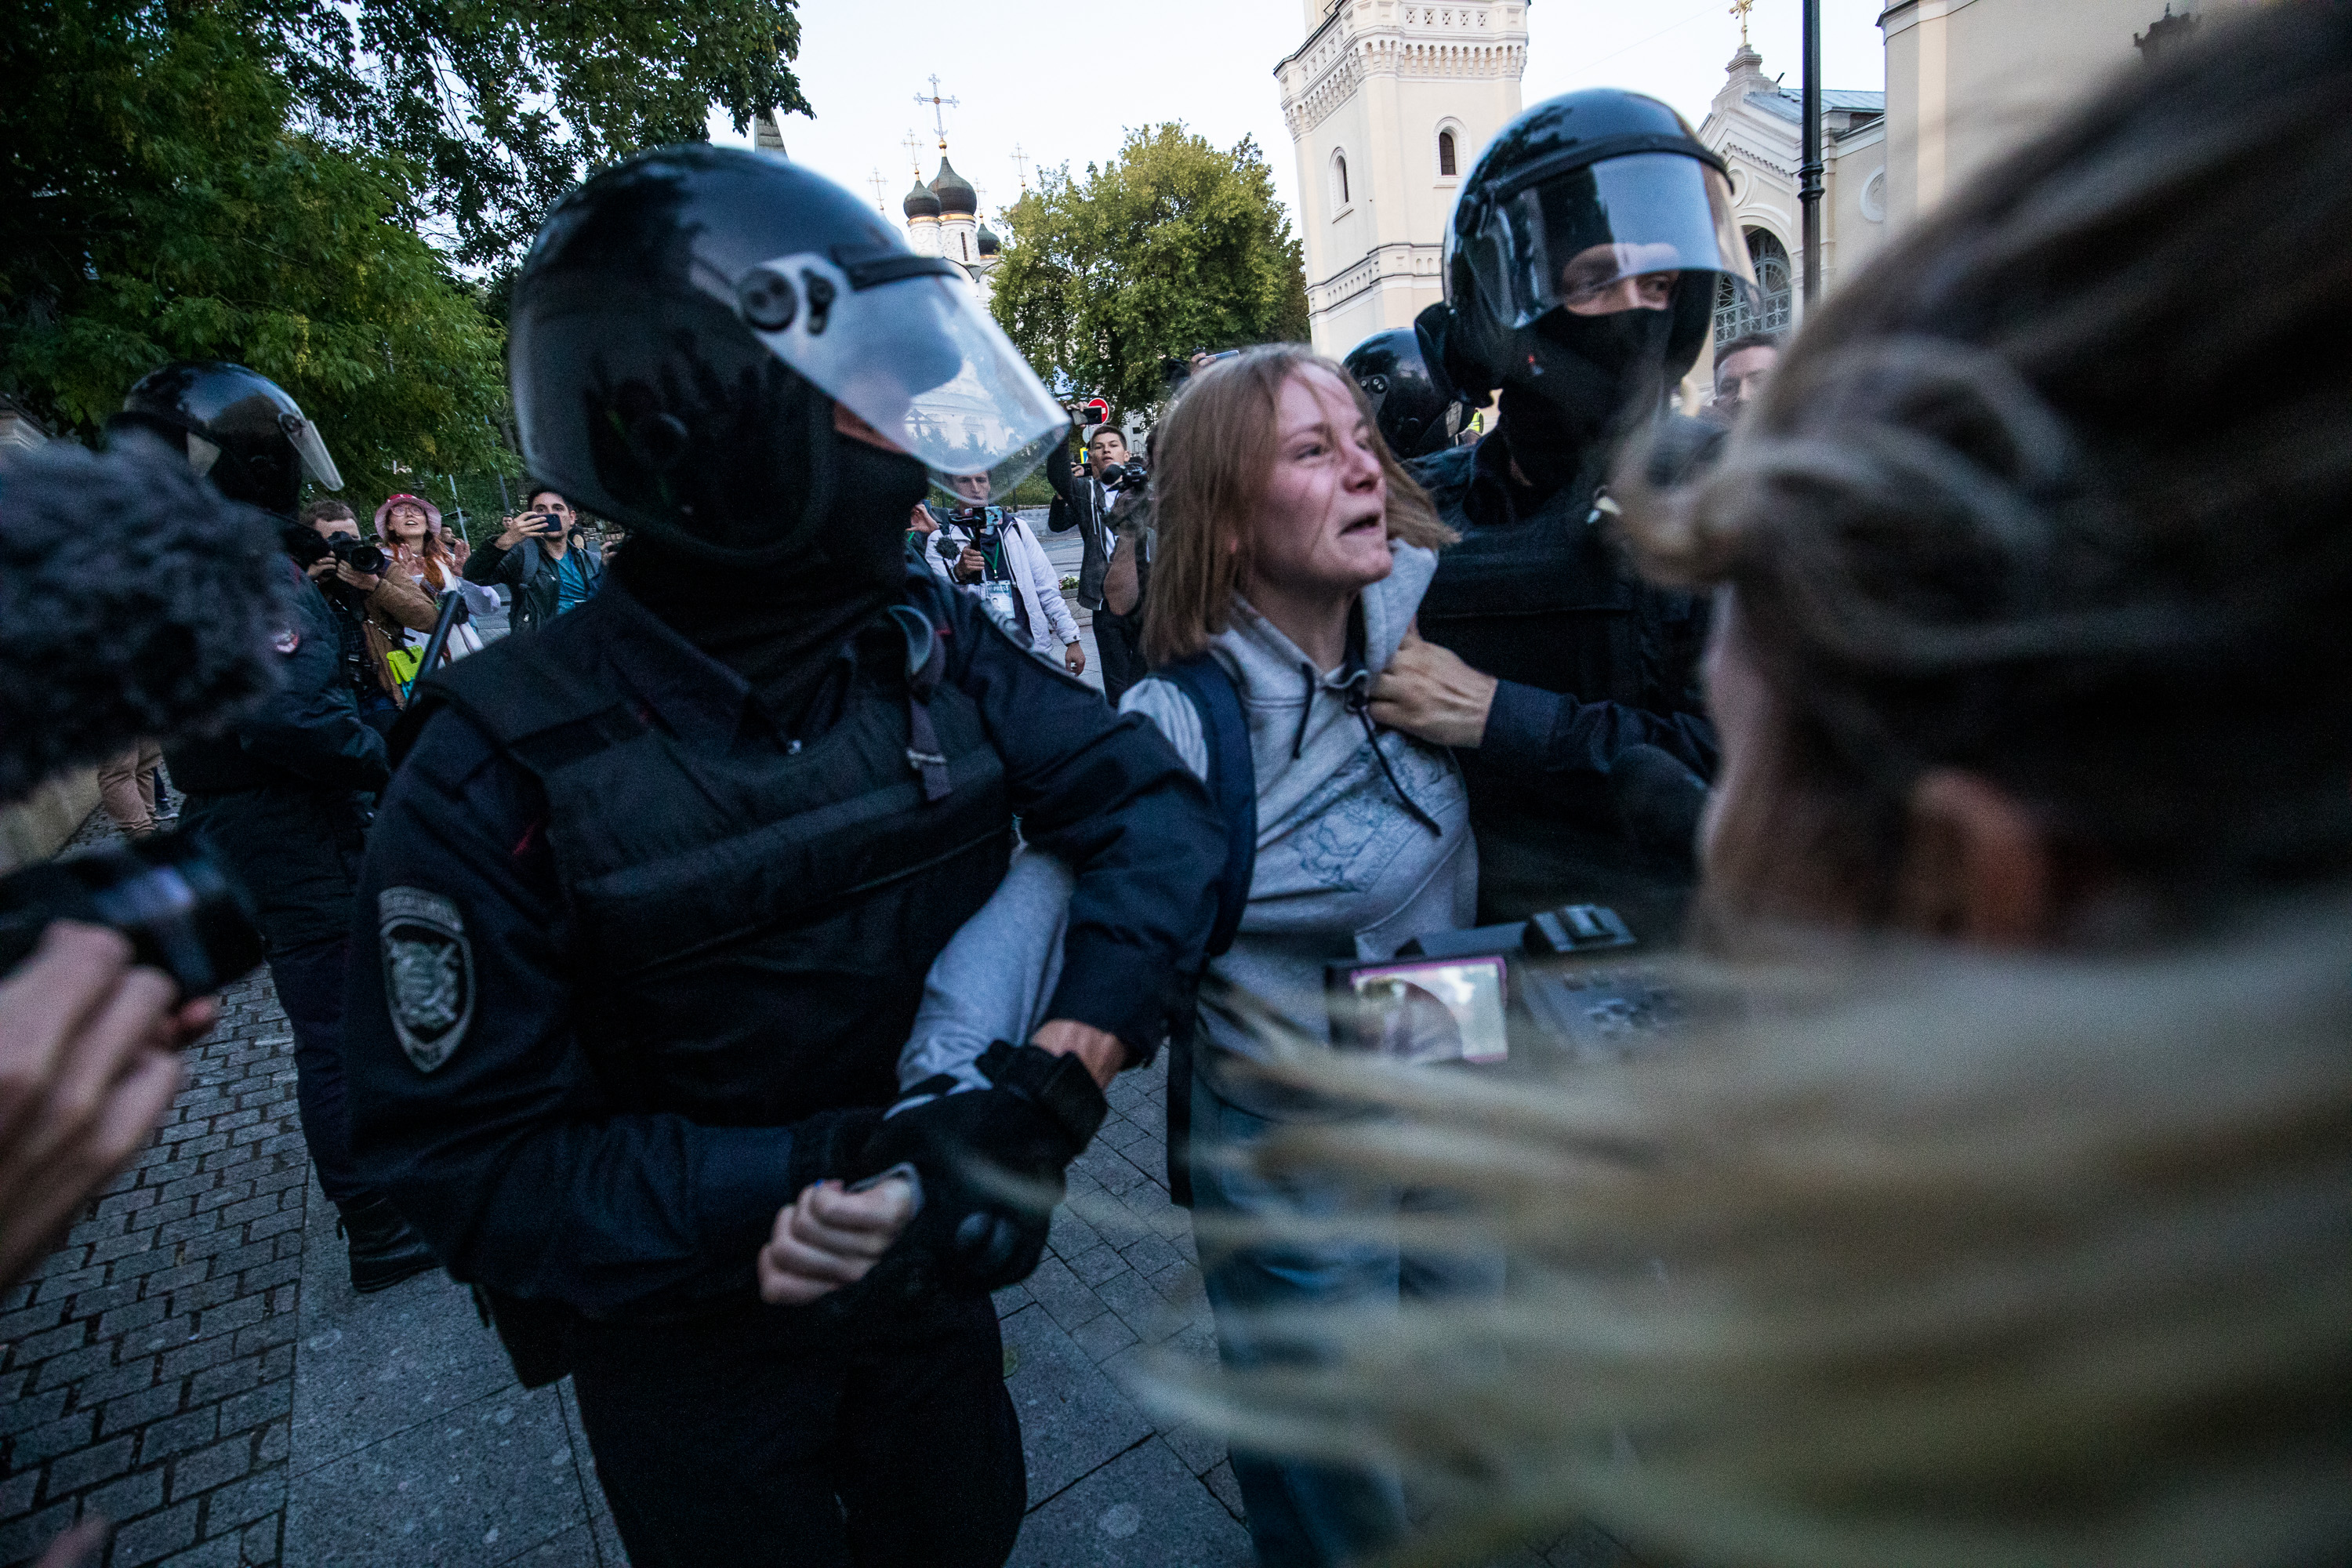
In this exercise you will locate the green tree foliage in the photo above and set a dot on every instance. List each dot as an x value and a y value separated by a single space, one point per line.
155 206
257 180
1172 246
499 106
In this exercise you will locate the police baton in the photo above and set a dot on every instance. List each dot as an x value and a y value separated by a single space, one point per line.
453 606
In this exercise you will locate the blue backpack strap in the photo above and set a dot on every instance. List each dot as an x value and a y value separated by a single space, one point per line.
1233 781
1233 785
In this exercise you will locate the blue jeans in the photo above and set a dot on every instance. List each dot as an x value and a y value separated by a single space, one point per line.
1303 1513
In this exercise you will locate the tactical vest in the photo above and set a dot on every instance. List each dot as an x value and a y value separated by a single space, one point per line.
751 922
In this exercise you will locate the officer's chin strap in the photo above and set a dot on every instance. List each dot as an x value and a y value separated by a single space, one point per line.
925 661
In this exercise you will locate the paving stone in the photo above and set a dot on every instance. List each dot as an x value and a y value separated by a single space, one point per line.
128 1497
1200 1449
473 1485
1096 1263
1065 1298
1103 1336
221 1554
209 1467
242 1502
157 1535
1141 1307
372 1365
1143 1511
1073 1419
1227 1487
575 1548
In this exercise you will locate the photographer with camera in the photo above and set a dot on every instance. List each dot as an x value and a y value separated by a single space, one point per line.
561 573
989 549
1085 500
282 795
375 608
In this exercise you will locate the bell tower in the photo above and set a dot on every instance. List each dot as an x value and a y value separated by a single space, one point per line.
1389 103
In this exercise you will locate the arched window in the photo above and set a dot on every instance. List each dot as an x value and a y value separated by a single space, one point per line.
965 240
1776 292
1446 169
1339 176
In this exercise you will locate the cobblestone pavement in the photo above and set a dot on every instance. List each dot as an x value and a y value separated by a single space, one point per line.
194 1366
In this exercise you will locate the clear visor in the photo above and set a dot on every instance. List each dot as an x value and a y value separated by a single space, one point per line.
1568 240
914 356
312 451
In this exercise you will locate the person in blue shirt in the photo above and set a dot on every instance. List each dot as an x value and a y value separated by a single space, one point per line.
560 575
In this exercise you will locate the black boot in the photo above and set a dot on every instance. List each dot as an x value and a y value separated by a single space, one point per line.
384 1251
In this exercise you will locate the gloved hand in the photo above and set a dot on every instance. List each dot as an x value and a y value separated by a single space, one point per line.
991 1163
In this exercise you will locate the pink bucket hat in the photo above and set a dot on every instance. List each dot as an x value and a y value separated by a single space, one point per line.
432 512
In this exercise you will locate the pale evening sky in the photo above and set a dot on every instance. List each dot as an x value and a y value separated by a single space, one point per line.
1060 81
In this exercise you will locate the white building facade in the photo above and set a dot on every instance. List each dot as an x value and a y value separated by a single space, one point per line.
1757 125
1389 103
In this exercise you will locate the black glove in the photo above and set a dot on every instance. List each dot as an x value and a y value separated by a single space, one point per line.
991 1163
828 1145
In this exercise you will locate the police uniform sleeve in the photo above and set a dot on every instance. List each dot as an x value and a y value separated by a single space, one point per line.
475 1106
1107 794
1533 734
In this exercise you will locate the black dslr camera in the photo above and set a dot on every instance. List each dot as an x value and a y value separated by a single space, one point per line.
309 547
1129 475
182 914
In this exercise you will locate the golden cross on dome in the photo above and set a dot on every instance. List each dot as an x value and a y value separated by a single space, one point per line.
1022 161
877 181
939 108
914 145
1740 8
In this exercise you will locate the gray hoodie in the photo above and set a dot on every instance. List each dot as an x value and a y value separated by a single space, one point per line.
1345 867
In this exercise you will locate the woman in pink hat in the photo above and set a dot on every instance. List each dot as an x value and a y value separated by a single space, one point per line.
409 528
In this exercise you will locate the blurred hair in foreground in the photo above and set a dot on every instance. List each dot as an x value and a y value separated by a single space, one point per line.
1944 1256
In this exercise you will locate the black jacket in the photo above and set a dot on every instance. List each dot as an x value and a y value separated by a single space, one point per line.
569 1148
1592 661
1074 506
308 735
525 569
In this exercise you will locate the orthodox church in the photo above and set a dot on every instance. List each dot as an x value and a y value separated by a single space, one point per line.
943 219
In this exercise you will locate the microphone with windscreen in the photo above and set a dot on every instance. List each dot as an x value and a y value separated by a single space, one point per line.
1659 800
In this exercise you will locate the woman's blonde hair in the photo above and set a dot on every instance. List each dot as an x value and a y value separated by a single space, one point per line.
1211 457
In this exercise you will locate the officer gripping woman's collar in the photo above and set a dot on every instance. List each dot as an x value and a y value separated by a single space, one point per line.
1582 265
653 897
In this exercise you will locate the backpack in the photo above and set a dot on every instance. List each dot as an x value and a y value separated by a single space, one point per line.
1233 785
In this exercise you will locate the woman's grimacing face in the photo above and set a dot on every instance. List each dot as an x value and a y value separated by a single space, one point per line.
1322 526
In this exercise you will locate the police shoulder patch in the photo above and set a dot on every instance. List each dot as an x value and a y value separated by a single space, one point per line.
428 972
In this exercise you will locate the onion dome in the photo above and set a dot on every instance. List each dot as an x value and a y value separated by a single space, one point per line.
954 192
987 240
921 203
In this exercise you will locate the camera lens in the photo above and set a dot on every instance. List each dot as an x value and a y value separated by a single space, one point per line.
181 911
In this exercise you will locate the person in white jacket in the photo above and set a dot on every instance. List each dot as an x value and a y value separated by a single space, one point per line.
1002 560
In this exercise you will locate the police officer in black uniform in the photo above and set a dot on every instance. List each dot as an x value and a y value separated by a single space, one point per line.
1418 414
282 796
1582 265
655 888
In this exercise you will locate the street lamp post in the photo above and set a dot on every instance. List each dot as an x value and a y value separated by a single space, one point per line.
1809 174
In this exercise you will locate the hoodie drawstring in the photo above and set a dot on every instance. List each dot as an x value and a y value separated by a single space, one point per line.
1359 701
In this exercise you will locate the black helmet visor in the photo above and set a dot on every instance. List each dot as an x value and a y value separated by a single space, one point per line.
904 344
1567 238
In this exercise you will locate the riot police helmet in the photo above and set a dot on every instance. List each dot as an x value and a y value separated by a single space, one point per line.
1417 413
1577 198
691 324
237 428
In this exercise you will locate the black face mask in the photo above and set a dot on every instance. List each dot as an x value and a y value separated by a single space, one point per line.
1582 381
778 622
